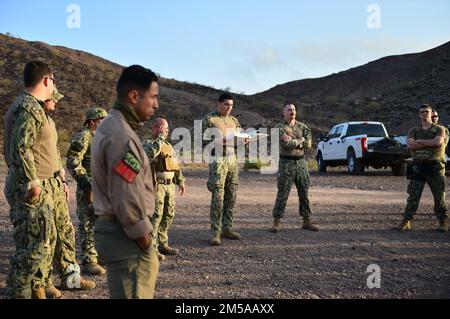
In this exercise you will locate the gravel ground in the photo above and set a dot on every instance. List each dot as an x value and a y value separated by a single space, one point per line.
356 215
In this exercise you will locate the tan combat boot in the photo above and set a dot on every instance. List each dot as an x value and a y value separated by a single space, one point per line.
443 225
38 293
228 233
404 225
84 285
308 225
52 293
276 225
167 250
94 269
215 241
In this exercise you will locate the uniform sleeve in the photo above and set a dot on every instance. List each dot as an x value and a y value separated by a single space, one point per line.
179 178
125 185
75 155
441 132
153 147
411 133
28 131
205 125
307 134
291 144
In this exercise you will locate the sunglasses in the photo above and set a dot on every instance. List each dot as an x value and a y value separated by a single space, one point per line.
423 112
434 117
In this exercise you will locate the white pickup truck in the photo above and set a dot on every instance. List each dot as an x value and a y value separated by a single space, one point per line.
359 145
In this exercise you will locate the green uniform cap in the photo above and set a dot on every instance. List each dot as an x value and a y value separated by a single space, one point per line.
96 113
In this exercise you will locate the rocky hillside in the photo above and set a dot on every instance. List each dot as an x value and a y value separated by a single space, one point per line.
389 89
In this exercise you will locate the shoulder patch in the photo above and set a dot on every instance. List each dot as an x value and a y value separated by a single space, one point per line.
128 167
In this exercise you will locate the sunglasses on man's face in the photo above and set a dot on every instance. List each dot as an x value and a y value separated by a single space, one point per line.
423 112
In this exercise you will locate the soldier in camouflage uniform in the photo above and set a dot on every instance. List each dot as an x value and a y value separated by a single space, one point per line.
64 258
33 172
435 120
223 171
295 138
167 174
79 166
427 143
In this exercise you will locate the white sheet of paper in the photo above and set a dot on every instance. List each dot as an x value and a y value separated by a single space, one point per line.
250 135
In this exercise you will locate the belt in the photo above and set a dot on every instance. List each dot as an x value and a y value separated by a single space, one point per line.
164 181
293 158
107 218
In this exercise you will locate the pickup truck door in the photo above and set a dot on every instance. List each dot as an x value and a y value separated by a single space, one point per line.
335 144
327 144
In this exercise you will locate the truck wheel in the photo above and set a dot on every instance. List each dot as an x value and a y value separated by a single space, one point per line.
355 166
321 166
399 169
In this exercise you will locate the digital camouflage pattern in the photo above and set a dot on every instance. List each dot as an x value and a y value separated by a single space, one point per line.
164 213
428 153
434 176
292 172
96 113
298 132
223 184
79 166
64 259
223 179
35 238
33 222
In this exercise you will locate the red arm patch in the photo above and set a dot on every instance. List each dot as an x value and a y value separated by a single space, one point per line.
125 171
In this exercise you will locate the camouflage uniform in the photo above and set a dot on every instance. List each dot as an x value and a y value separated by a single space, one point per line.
223 179
293 168
79 166
27 129
157 151
428 167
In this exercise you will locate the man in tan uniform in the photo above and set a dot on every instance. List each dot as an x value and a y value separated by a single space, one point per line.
123 189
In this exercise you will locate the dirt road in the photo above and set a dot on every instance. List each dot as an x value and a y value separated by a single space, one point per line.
355 214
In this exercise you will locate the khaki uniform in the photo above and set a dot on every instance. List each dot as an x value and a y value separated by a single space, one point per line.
223 179
123 204
167 175
293 168
428 167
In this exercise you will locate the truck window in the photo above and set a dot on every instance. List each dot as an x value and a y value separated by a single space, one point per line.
371 130
331 134
339 131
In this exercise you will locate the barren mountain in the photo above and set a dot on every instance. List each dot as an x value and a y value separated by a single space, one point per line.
389 89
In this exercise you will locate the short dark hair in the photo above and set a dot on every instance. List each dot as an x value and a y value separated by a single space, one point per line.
225 96
34 71
135 77
426 106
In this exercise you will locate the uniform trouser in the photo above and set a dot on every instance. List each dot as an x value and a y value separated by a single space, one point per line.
132 273
164 213
223 184
34 235
64 254
436 181
85 213
289 172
